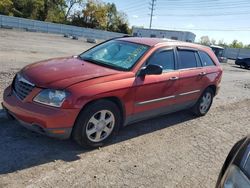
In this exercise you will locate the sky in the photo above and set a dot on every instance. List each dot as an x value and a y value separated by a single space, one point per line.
226 20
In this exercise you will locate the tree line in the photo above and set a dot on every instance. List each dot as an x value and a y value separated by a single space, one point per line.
234 44
86 13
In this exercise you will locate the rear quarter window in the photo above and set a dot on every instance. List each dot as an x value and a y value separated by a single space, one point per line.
206 59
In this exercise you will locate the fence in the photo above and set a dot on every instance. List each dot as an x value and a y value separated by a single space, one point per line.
48 27
234 53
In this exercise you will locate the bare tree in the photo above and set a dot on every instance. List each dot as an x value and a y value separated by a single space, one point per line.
205 40
70 4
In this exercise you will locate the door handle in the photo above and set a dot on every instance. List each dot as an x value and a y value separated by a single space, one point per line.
202 73
174 78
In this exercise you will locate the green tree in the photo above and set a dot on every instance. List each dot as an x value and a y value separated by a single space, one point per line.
236 44
28 8
45 10
111 17
247 46
222 43
6 7
52 10
122 23
94 14
97 14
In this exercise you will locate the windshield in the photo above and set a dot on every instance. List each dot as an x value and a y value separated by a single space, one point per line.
115 54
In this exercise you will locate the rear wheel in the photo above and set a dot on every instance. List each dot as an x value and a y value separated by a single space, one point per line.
244 66
204 103
97 123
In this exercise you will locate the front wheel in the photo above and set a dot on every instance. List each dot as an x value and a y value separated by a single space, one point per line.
204 103
97 123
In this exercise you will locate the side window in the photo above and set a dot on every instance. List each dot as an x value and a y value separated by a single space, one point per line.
187 59
164 58
206 60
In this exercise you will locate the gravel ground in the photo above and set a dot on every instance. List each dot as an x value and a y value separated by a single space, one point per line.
176 150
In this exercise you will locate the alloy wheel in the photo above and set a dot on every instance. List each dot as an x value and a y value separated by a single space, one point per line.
206 102
100 125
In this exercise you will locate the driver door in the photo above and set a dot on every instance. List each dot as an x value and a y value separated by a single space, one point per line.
155 94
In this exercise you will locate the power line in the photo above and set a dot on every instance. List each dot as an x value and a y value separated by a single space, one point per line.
135 5
201 2
206 15
221 7
135 8
204 29
152 12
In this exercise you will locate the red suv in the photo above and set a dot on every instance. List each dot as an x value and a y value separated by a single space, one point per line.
116 83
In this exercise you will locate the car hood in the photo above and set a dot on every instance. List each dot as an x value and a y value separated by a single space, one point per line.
63 72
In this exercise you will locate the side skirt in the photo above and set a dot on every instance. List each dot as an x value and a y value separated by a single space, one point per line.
158 112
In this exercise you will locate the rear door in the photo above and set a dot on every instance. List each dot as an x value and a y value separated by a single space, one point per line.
191 76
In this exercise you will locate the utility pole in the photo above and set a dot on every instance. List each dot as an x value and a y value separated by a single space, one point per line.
152 7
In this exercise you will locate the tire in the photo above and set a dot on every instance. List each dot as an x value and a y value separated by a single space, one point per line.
204 103
229 159
244 66
97 124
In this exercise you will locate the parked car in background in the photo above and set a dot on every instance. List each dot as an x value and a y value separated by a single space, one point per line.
219 52
235 172
243 62
116 83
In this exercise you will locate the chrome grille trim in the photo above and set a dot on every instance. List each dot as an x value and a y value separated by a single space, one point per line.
22 87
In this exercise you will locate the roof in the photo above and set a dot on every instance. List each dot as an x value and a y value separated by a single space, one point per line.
155 41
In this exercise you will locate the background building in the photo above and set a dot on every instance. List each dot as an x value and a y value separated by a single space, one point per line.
157 33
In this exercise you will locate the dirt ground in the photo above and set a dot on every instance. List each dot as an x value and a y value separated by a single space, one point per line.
176 150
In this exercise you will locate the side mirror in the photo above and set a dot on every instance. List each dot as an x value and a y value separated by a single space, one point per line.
236 169
151 69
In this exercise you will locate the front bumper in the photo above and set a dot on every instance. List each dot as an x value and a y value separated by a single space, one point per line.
50 121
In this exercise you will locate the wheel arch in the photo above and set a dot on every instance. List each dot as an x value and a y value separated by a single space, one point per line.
213 87
113 99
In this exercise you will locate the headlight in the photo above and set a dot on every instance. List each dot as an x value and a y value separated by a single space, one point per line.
51 97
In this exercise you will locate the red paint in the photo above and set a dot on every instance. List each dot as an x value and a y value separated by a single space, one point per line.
87 82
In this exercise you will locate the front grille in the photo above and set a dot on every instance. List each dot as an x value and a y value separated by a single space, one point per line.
22 87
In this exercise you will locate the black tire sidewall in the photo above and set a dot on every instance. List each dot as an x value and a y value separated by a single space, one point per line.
197 106
79 132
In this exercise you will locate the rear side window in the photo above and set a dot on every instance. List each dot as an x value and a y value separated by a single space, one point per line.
187 59
164 58
206 60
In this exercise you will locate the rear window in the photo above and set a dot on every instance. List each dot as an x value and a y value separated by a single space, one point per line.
206 60
187 59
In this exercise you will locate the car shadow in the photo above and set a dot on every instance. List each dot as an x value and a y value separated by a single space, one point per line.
235 66
21 149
